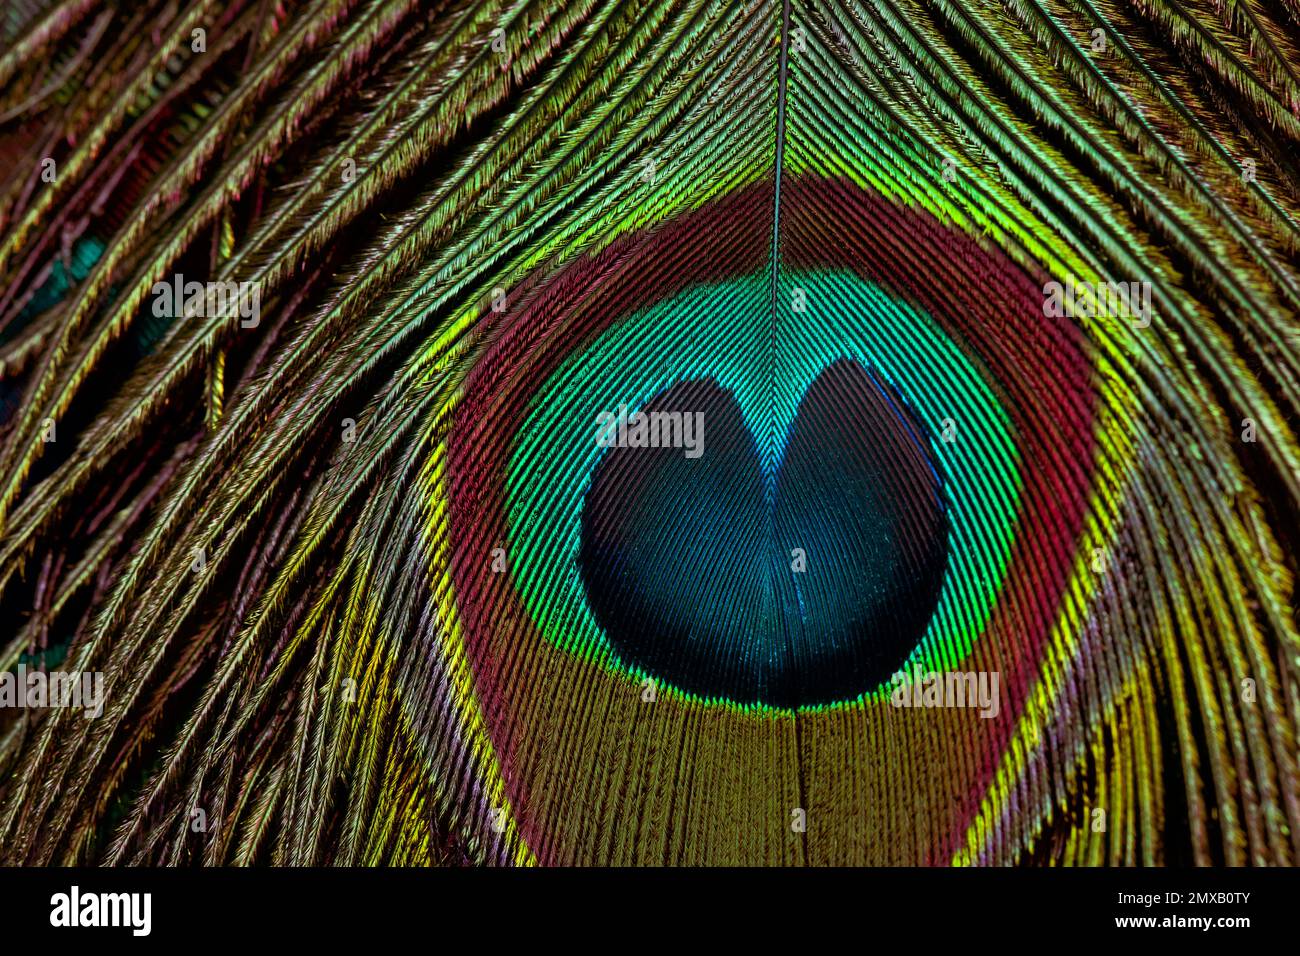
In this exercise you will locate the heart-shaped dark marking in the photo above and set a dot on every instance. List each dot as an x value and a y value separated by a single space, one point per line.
809 587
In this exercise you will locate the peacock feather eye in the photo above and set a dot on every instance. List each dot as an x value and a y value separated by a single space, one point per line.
858 502
692 563
673 433
697 582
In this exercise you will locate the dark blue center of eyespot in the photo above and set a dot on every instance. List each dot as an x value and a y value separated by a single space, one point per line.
808 589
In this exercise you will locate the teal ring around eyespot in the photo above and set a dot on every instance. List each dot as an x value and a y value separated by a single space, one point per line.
679 338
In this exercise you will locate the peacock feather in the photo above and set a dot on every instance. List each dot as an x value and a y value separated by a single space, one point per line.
631 426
